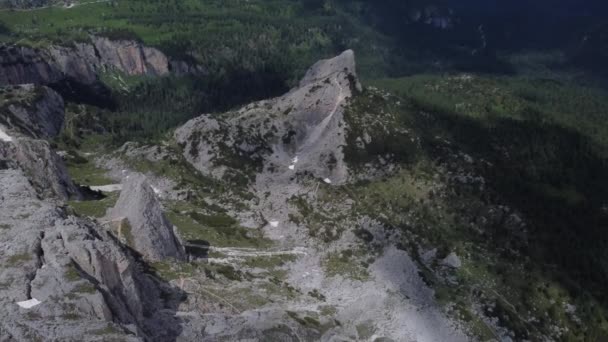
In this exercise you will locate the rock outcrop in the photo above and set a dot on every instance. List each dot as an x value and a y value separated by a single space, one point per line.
146 229
302 130
88 287
63 278
45 168
80 63
28 115
34 111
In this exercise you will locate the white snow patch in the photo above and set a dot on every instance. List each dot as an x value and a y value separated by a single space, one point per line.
5 137
27 304
292 167
274 223
295 160
327 180
107 188
156 191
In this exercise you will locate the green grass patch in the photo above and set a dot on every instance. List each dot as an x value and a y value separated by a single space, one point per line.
346 264
72 274
218 230
87 173
170 270
94 208
18 259
85 288
269 262
108 330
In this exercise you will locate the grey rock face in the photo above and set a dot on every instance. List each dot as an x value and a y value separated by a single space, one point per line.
46 169
306 123
21 65
131 57
148 231
89 287
35 111
30 114
323 69
80 63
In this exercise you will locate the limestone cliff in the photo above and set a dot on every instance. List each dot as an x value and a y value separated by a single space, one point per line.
80 63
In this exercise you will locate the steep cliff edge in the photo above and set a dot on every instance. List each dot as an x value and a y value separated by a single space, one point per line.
80 63
32 110
28 115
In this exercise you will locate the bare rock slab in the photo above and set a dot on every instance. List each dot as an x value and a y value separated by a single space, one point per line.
146 229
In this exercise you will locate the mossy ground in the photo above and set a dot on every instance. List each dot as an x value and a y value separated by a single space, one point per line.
86 173
18 259
94 208
219 230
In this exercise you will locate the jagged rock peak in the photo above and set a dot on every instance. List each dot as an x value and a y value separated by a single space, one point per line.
303 127
139 221
345 62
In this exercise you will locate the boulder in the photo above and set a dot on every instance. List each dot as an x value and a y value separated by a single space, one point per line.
147 230
452 261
